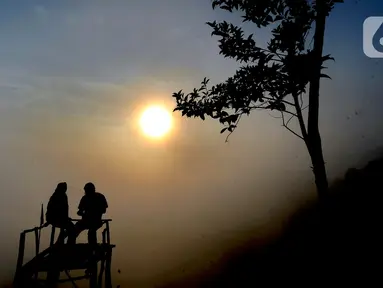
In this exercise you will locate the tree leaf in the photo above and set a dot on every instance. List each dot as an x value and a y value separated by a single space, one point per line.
325 76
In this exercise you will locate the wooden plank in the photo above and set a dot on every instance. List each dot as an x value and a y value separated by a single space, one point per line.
73 258
36 228
103 220
70 278
74 279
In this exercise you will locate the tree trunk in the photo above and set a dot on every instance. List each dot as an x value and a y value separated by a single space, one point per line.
314 144
319 167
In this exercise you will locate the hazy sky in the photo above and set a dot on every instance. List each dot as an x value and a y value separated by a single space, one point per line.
74 77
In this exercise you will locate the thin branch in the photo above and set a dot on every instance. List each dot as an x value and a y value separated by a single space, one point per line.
260 106
283 101
307 33
276 117
288 121
301 99
236 125
275 53
268 108
288 128
300 118
291 113
278 60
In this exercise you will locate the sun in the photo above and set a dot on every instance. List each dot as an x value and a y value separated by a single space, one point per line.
155 121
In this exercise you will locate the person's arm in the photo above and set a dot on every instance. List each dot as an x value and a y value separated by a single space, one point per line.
81 207
48 213
49 206
66 207
105 205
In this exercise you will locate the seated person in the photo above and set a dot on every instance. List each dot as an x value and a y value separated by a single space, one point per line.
92 206
57 214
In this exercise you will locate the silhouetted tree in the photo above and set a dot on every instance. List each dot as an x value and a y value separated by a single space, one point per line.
274 77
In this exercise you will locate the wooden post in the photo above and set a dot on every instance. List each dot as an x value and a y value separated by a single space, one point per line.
37 242
108 260
104 236
20 260
93 276
53 277
37 248
107 233
101 273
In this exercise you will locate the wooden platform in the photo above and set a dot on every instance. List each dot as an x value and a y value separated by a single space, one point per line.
72 257
64 258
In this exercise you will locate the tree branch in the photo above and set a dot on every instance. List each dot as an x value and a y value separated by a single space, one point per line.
236 125
291 113
276 117
300 118
275 53
288 128
283 101
301 99
268 108
288 121
261 106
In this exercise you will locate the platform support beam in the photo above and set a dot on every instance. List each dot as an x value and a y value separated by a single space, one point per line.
108 261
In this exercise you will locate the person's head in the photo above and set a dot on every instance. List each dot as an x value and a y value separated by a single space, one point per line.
89 188
61 187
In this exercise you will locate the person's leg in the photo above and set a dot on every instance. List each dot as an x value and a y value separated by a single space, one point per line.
71 232
62 235
61 225
92 232
66 230
79 227
92 236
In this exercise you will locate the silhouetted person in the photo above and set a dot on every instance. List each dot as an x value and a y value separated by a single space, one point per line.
92 206
57 214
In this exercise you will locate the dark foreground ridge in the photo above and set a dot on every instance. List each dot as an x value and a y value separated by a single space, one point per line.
339 245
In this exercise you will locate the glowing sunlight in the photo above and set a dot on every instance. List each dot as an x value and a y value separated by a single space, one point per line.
155 122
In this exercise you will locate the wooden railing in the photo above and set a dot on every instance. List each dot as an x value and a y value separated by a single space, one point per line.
105 232
36 230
